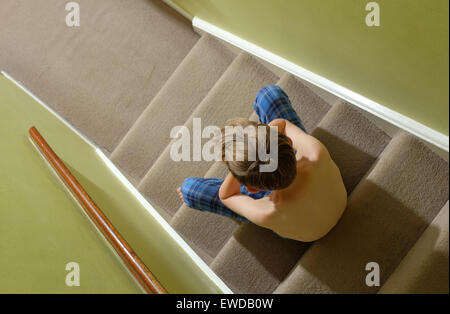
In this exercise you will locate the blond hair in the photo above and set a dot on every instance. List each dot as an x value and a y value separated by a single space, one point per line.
240 154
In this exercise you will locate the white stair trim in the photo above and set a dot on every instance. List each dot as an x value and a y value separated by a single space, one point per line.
412 126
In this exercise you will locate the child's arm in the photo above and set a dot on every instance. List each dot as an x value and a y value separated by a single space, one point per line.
257 211
229 187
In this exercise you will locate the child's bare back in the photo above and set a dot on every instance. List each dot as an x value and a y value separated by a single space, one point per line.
312 205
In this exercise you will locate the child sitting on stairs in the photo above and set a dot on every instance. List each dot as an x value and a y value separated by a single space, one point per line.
302 199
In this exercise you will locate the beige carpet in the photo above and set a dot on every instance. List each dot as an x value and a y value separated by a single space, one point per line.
386 214
425 267
99 76
172 106
128 75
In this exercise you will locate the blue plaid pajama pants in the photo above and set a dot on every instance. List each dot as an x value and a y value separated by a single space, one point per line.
203 193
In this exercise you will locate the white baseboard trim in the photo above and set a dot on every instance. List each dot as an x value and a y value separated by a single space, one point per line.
178 9
427 134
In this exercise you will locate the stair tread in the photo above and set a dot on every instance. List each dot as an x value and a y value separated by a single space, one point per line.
253 274
426 264
173 105
386 214
233 95
353 141
208 231
101 76
216 230
256 260
308 105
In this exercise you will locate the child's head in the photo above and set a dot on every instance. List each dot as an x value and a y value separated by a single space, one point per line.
242 146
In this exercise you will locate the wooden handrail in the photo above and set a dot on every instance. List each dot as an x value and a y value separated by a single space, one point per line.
134 264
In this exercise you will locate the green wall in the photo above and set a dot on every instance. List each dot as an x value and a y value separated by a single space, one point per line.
403 64
42 229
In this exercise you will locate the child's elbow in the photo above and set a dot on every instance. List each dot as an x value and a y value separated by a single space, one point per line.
225 194
222 194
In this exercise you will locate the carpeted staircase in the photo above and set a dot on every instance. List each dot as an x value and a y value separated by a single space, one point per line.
398 187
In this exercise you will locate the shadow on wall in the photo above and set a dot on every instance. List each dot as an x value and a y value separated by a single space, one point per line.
169 12
206 6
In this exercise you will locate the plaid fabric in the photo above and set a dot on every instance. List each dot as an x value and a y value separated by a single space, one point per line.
203 193
273 103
